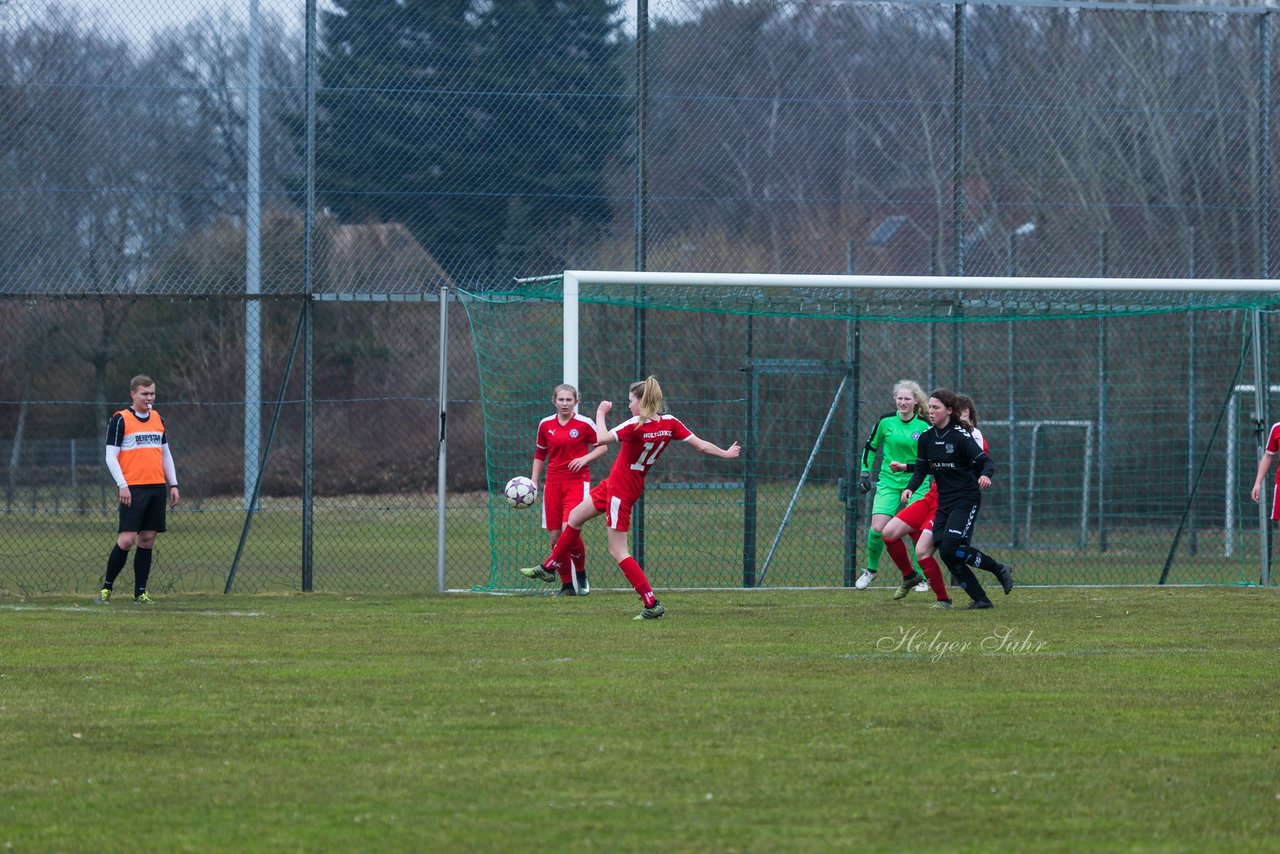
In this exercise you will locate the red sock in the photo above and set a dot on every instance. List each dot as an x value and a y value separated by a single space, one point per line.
901 559
570 540
933 572
635 575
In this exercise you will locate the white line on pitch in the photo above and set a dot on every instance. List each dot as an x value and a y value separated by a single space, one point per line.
102 610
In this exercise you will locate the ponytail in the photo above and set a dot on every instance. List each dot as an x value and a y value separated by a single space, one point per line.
649 394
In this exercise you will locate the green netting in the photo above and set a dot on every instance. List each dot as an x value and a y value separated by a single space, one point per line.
1121 425
923 304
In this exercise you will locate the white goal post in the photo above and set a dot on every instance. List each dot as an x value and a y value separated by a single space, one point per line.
575 279
1053 288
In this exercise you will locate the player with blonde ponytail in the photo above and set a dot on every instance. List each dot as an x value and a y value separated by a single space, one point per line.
642 438
894 436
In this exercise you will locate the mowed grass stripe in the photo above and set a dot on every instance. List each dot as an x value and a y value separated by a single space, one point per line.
753 721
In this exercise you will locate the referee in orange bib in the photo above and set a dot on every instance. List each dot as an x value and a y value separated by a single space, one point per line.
140 462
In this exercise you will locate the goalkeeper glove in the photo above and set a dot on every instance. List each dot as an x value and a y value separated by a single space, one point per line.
864 482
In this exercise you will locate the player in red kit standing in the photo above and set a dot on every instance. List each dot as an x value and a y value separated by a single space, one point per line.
642 438
565 446
1273 448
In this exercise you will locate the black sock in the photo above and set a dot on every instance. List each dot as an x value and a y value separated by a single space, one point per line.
141 570
115 563
979 560
967 581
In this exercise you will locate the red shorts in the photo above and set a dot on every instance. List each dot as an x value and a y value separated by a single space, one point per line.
558 500
616 509
1275 502
919 514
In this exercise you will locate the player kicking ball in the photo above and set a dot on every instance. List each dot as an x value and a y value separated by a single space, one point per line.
641 438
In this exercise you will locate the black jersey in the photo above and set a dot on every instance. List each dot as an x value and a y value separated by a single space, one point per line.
956 462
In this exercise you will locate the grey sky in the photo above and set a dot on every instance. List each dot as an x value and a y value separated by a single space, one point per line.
139 20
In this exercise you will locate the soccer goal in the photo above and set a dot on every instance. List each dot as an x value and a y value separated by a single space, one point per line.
1092 484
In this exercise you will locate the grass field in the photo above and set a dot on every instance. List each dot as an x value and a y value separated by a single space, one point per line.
1063 720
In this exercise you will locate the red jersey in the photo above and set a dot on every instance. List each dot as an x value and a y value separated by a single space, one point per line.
559 444
639 446
1273 445
980 439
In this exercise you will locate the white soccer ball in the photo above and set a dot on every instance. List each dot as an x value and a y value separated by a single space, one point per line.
520 492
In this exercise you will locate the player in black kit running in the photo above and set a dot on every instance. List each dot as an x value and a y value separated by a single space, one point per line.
961 470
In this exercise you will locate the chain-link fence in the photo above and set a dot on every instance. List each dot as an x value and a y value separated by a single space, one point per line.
371 493
180 179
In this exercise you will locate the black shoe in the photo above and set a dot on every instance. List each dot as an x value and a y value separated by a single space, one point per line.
584 586
979 605
1005 574
566 590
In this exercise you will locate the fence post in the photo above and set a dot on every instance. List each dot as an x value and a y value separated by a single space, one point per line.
1102 404
853 463
308 446
441 451
1192 523
1261 379
308 288
957 142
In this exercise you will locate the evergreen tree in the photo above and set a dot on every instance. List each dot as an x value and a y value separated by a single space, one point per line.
559 115
392 129
451 116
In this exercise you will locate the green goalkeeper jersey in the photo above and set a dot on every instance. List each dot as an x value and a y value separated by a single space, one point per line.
899 442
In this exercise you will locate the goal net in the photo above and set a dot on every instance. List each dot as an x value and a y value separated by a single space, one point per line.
1104 402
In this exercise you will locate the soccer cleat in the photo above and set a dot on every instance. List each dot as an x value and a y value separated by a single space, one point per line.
566 590
143 599
942 604
651 613
104 597
909 584
864 580
1005 574
537 572
979 605
923 586
584 586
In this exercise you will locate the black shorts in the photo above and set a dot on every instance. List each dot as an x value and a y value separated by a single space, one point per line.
956 521
146 509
